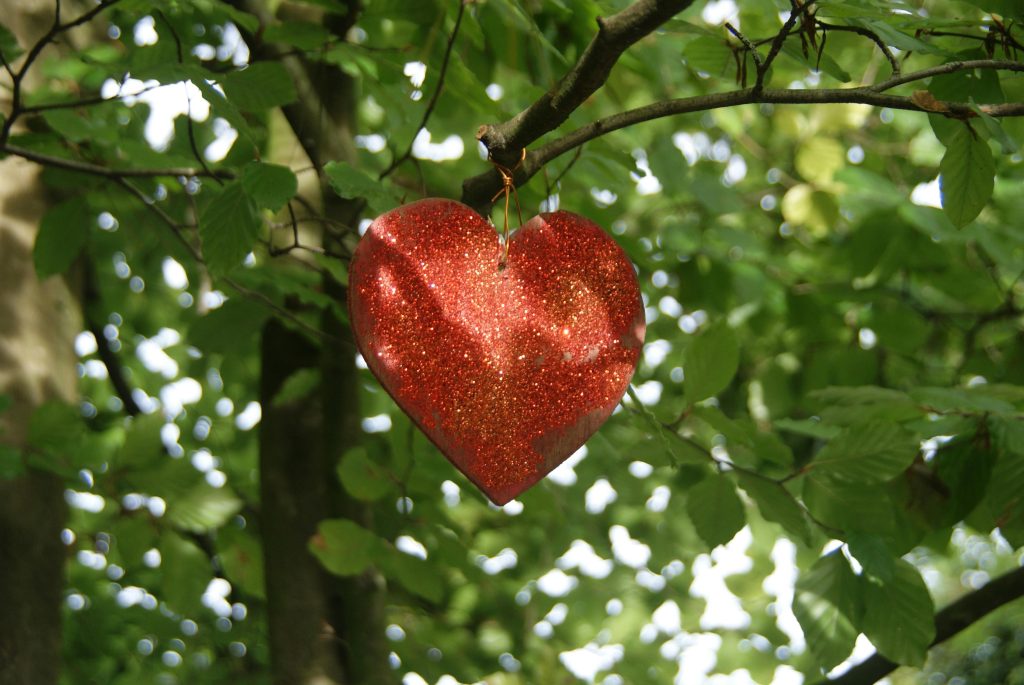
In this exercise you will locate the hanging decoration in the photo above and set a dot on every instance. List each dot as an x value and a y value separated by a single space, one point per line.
507 353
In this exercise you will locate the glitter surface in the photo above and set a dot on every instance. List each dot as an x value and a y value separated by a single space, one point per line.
507 370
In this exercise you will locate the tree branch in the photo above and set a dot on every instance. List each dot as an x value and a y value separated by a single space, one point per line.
104 172
478 190
960 614
505 141
17 77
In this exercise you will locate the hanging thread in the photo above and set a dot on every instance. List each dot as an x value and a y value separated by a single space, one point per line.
509 190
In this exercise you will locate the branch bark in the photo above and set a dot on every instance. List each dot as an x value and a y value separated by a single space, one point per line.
615 34
960 614
478 190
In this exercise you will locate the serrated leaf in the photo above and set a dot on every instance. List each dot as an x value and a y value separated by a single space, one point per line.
827 602
259 86
344 547
271 186
185 573
62 235
867 453
352 183
710 362
778 505
899 616
715 510
966 176
228 227
363 478
203 508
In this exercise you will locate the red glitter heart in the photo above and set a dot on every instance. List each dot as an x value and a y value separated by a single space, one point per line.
507 370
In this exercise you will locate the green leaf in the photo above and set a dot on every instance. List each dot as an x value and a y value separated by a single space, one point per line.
9 48
899 616
873 554
819 158
271 186
964 465
419 576
203 508
56 427
344 547
807 427
142 444
134 536
867 453
847 506
995 130
778 505
185 573
228 227
710 54
352 183
230 328
300 384
304 35
12 464
827 602
63 233
1003 502
966 176
259 86
363 478
655 427
896 38
710 362
715 510
241 557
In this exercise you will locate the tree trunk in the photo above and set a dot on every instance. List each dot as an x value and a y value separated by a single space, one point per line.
323 630
38 322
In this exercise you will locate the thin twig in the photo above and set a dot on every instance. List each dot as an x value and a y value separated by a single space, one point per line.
243 290
189 124
398 161
867 33
87 102
97 170
746 43
115 369
780 38
18 77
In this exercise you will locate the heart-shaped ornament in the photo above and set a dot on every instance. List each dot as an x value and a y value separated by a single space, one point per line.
508 365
